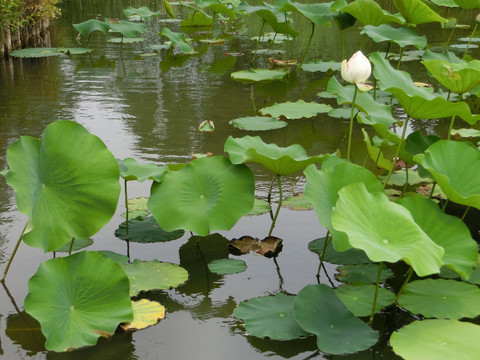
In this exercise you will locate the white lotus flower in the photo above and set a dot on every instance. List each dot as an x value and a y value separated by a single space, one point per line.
357 70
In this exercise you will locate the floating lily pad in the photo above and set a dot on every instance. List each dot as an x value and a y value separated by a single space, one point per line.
78 244
35 52
78 298
206 126
401 36
270 316
227 266
75 51
318 310
258 75
260 207
146 230
441 298
438 339
131 169
154 275
350 256
322 66
268 247
145 313
125 40
465 133
296 110
258 123
157 47
363 273
297 202
358 298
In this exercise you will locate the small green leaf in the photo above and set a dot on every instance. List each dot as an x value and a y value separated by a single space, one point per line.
35 52
358 298
258 75
258 123
296 110
146 230
227 266
144 12
131 169
363 273
177 39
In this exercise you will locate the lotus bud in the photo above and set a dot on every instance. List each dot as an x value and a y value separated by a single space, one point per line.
477 19
357 69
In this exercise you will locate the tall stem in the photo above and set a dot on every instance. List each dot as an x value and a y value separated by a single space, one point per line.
465 213
308 45
407 279
400 58
13 254
322 255
379 276
351 123
404 131
450 127
258 42
71 246
279 204
127 239
470 40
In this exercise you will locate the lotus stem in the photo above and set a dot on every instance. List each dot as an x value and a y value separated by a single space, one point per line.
433 189
13 254
407 279
465 213
388 49
451 34
406 180
450 127
127 239
470 40
404 131
71 246
252 100
322 255
351 123
400 57
308 45
279 204
258 42
445 204
379 275
269 197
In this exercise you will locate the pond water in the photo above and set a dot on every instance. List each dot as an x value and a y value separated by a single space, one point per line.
149 108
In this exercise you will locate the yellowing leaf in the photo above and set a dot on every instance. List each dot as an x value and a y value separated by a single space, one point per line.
145 313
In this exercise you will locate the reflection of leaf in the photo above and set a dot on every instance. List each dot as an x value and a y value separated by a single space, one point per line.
145 313
23 330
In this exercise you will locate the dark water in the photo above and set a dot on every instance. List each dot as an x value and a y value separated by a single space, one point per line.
149 108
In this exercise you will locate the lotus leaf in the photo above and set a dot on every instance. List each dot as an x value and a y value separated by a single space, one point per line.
456 77
144 12
258 75
145 313
118 258
402 36
399 178
358 298
78 244
4 172
131 169
58 184
126 28
461 251
319 14
369 12
322 66
153 275
455 166
35 52
216 191
296 110
468 4
146 230
217 7
297 202
75 51
177 39
260 207
438 339
323 186
318 310
465 133
350 256
362 273
281 161
270 316
384 230
376 153
87 27
197 18
227 266
417 12
78 298
137 204
124 40
258 123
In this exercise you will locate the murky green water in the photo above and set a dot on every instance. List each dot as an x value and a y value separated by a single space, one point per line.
149 108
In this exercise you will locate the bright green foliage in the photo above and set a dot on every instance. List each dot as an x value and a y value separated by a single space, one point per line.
296 110
126 28
358 298
270 316
258 123
417 12
319 14
227 266
206 194
131 169
318 310
87 27
144 12
258 75
66 183
217 7
468 4
368 12
401 36
350 256
177 39
279 160
78 298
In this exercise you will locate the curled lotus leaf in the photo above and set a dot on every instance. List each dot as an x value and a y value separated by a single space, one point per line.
131 169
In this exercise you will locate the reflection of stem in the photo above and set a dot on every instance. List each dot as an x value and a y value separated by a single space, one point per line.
279 274
322 255
258 42
407 279
328 277
279 204
400 143
207 272
269 198
470 40
465 213
379 275
71 247
11 297
351 123
13 254
252 100
126 223
312 356
308 45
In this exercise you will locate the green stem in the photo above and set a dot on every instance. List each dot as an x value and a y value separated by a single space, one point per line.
470 40
351 123
13 254
127 239
406 180
404 131
451 34
465 213
322 255
71 246
400 58
450 127
258 42
269 196
308 45
279 205
444 207
407 279
252 100
433 189
379 275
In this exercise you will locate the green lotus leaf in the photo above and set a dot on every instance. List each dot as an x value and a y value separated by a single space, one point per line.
323 186
440 298
322 66
154 275
318 310
341 113
297 202
75 51
158 47
438 339
399 178
258 123
146 230
197 18
35 52
78 244
131 169
417 12
169 10
216 7
319 14
455 166
447 56
376 153
468 4
206 126
416 143
270 316
343 19
295 110
124 40
126 28
145 313
4 172
118 258
281 161
384 230
362 273
461 251
447 3
144 12
87 27
66 183
206 194
402 36
258 75
369 12
78 298
417 102
350 256
465 133
177 39
227 266
456 77
358 298
260 207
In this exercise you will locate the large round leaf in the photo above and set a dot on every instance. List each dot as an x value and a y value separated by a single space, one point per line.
258 123
369 12
456 77
358 298
318 310
402 36
281 161
78 298
66 183
207 194
323 186
270 316
131 169
437 339
455 166
384 230
441 298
